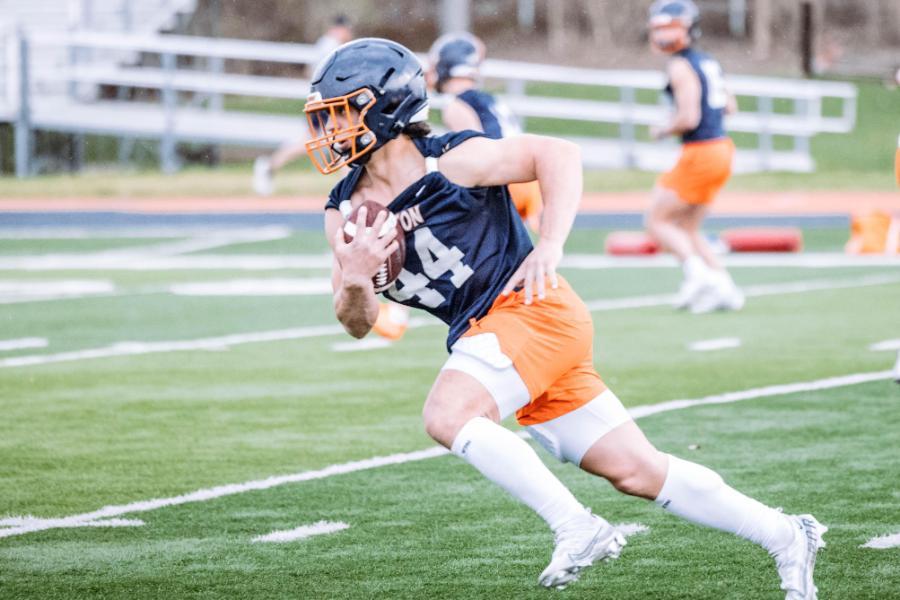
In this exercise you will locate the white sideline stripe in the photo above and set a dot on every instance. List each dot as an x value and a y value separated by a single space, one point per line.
405 457
22 344
304 531
224 342
312 286
101 233
630 529
885 345
883 542
369 343
128 261
715 344
808 260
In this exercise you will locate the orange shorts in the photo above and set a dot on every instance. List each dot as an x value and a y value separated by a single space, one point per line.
527 199
550 343
897 163
701 171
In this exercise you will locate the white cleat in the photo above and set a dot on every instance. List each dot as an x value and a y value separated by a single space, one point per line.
579 544
690 290
722 295
796 562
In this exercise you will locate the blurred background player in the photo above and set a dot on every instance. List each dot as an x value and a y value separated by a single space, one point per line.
455 69
682 196
339 32
520 339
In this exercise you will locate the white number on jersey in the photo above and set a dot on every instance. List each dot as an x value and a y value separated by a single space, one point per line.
716 96
436 259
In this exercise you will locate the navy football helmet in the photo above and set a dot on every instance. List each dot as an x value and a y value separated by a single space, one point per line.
664 13
456 55
362 95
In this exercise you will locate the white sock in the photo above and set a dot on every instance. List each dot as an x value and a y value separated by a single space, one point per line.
699 495
695 268
507 460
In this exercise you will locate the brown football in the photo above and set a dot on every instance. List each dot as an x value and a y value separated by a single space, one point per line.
390 270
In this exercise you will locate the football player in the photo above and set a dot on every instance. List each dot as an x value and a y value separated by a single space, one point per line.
455 69
520 339
682 196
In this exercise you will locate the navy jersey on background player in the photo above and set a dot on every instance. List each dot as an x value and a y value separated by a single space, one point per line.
462 244
713 96
497 121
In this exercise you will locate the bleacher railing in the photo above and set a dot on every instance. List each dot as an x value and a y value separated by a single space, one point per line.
189 108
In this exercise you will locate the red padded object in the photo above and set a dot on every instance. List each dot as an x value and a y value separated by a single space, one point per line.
630 243
766 239
391 268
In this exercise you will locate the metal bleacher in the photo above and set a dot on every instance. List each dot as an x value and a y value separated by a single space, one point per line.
188 106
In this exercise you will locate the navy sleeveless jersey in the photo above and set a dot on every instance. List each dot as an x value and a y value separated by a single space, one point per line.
497 121
462 244
713 96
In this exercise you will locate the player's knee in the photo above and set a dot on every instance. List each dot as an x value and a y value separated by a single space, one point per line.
441 423
638 477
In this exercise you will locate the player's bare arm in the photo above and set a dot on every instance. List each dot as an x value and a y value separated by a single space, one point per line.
556 164
731 105
459 116
687 92
354 265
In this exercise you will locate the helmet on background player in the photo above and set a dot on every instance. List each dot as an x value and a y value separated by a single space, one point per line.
455 55
674 14
362 95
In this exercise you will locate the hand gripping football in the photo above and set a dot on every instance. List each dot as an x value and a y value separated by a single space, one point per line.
390 269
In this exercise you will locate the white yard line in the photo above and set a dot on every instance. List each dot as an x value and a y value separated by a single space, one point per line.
217 239
224 342
639 412
126 261
885 346
139 348
373 342
204 495
22 344
715 344
304 531
14 292
883 542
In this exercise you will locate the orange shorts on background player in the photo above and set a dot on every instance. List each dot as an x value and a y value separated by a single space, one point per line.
875 232
528 202
701 171
550 343
897 162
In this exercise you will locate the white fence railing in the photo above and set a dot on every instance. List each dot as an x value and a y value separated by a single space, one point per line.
189 107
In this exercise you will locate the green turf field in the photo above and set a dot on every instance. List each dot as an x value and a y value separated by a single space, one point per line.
145 417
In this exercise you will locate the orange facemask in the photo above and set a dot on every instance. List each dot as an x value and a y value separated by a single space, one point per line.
338 129
677 43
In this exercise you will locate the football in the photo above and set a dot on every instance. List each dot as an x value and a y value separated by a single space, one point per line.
390 269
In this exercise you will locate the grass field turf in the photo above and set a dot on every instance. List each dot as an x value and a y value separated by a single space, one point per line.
80 435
